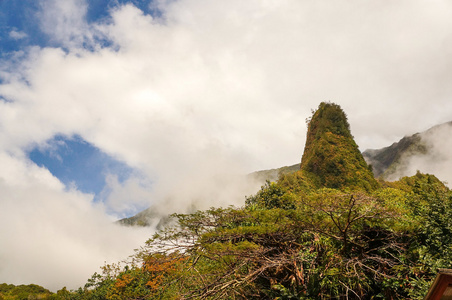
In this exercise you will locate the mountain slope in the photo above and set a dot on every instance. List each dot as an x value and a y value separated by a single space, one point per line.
420 151
274 174
382 159
147 217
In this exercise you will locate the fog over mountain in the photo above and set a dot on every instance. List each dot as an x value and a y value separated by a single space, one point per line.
190 95
427 152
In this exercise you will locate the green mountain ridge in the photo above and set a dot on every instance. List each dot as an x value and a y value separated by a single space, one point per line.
389 157
394 160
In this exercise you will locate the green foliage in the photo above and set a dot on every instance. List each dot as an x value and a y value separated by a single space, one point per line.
328 231
23 292
296 183
330 244
434 236
293 241
270 196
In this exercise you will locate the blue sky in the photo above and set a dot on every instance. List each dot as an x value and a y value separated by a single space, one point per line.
78 164
19 17
19 22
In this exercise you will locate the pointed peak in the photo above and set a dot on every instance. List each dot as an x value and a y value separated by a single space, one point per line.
331 157
329 117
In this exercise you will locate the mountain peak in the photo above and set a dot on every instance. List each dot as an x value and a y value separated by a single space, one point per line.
331 157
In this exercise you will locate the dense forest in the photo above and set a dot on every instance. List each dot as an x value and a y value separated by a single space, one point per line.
328 231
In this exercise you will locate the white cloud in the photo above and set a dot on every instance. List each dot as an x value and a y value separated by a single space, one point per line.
65 22
212 90
17 35
54 237
126 198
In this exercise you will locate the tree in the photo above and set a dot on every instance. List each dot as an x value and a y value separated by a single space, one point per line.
272 195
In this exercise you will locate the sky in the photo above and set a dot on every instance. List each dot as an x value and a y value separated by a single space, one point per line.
108 107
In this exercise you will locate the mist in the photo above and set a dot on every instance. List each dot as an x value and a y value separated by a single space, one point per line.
436 160
193 99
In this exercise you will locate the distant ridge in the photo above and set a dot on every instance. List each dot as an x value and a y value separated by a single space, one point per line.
274 174
391 160
382 159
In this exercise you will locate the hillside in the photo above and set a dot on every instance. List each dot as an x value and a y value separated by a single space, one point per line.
274 174
389 157
394 161
30 291
328 230
147 217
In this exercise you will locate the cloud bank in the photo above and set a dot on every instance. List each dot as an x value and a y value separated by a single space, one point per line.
52 236
192 97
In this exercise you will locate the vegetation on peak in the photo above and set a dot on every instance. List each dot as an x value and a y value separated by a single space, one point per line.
329 117
331 157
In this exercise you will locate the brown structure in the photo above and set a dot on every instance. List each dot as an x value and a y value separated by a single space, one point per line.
441 288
